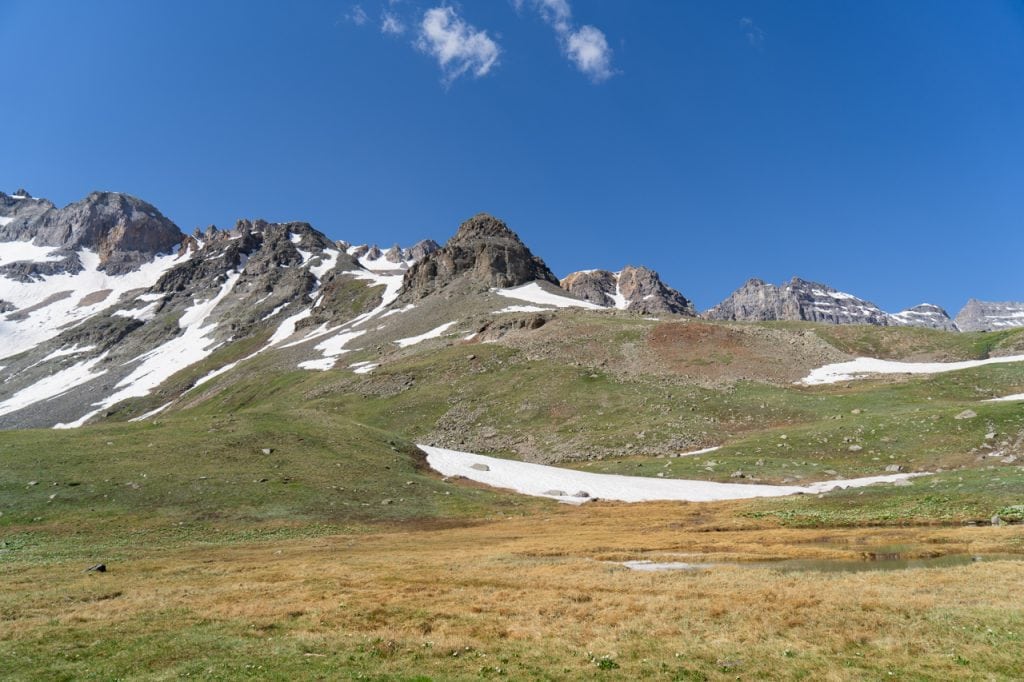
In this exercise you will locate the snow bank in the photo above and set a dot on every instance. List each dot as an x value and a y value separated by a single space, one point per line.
567 485
1007 398
861 367
534 293
699 452
432 334
521 309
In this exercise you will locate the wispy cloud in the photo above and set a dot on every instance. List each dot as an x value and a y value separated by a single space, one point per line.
458 47
586 47
755 36
391 24
357 15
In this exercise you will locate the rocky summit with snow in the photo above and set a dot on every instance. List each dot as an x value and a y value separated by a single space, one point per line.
798 300
924 315
987 316
106 301
638 289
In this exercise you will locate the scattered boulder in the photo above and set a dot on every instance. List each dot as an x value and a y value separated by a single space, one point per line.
966 414
97 568
479 467
894 468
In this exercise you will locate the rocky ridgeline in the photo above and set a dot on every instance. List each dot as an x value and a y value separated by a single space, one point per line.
484 253
987 316
638 289
396 255
124 231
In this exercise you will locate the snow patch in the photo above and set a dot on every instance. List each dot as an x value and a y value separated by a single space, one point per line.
534 293
861 367
567 485
54 385
432 334
521 309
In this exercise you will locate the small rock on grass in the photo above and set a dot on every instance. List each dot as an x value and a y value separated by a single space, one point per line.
966 414
98 568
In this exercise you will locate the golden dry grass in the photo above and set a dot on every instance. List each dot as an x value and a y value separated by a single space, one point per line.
541 597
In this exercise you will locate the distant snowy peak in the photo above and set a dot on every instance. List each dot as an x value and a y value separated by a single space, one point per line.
797 299
924 315
985 316
638 289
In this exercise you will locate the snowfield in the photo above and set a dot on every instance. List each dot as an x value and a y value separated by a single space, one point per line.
863 367
577 487
535 293
55 301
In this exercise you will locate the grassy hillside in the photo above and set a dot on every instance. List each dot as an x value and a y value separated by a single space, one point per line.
279 523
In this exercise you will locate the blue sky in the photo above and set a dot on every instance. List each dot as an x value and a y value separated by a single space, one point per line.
875 145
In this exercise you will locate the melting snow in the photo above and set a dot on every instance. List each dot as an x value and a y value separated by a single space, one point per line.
521 309
74 350
48 321
155 366
12 252
699 452
54 385
534 293
567 485
432 334
5 221
364 367
861 367
1007 398
322 364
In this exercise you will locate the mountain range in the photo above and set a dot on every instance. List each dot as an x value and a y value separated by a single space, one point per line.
105 300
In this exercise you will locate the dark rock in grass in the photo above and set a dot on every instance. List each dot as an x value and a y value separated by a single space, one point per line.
98 568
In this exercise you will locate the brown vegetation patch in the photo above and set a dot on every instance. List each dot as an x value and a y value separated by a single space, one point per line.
94 298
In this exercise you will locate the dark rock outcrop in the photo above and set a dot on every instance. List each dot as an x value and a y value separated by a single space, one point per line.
797 299
485 252
986 316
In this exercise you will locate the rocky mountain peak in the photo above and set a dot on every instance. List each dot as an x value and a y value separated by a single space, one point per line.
798 299
485 252
924 315
982 316
123 230
639 289
483 226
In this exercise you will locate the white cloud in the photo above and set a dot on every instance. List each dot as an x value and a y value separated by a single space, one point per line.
458 47
391 24
357 15
586 47
755 36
